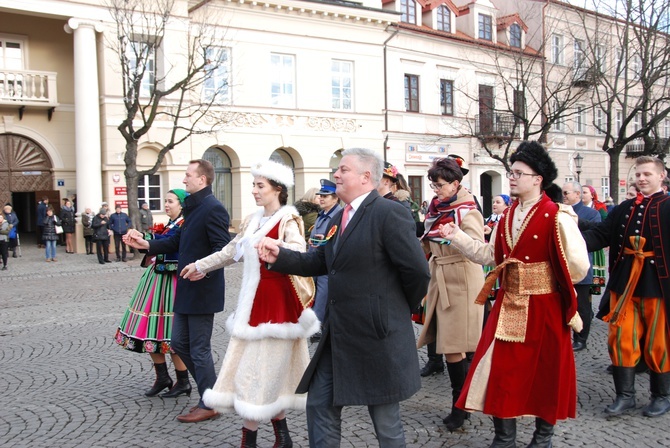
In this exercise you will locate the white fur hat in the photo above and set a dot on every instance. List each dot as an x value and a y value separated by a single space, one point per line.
274 171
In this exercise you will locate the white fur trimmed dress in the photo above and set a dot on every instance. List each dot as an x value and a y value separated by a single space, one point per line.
267 353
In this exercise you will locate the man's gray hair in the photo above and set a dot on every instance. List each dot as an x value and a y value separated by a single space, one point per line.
369 161
575 186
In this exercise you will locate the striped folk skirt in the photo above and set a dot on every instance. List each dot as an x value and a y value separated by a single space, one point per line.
146 326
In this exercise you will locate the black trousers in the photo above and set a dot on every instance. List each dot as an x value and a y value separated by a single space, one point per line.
585 311
102 247
4 251
119 247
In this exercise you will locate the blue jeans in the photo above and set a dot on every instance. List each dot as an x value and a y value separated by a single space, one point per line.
324 421
191 340
50 248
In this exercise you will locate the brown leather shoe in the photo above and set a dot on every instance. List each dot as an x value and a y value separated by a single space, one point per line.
198 415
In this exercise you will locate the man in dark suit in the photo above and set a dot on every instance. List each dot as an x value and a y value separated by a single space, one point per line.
572 195
205 231
377 273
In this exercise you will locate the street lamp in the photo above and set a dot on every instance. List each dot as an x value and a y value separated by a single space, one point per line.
578 163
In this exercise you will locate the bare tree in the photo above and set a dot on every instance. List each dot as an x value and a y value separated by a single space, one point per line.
183 92
633 91
533 95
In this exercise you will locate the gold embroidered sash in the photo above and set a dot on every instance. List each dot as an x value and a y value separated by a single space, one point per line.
520 281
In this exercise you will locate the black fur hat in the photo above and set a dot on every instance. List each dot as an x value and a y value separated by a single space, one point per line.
535 156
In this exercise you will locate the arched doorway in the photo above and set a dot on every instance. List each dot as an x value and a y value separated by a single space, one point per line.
335 162
222 187
26 175
283 157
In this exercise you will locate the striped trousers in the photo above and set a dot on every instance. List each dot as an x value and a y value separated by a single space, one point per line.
640 331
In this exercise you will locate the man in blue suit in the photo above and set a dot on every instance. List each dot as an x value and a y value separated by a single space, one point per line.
572 195
377 273
205 231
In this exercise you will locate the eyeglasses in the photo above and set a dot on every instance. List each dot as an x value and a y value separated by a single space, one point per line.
565 193
437 185
518 174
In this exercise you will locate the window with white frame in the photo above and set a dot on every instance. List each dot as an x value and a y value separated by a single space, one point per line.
149 191
557 49
282 85
515 35
216 86
600 121
559 125
342 73
447 97
569 179
601 58
619 120
444 19
485 27
580 119
11 53
636 67
636 123
408 11
11 58
666 128
620 62
141 64
604 187
579 59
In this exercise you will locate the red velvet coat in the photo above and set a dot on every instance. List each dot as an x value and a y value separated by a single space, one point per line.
535 377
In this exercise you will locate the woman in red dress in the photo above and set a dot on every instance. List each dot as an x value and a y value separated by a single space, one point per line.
267 353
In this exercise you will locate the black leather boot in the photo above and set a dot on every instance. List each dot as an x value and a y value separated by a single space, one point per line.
505 429
282 436
248 438
659 383
182 386
457 373
163 380
435 363
542 435
624 385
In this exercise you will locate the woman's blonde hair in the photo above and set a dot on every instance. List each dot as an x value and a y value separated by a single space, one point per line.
310 195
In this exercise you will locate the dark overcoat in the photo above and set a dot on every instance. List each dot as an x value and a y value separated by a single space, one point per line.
629 218
377 273
205 231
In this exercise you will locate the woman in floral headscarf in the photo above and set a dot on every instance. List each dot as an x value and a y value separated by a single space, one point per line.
453 321
590 199
146 326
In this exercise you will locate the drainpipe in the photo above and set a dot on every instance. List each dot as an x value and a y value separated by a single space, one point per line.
386 100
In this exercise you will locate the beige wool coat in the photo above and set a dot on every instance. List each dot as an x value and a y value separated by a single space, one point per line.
452 317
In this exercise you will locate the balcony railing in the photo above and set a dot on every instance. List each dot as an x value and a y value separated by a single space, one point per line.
496 125
637 148
28 88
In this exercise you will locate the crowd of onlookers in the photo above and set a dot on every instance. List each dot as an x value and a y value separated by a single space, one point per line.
58 229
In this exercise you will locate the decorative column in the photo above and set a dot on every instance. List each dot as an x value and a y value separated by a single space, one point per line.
86 114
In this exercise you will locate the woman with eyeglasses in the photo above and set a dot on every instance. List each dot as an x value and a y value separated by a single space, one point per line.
267 353
453 320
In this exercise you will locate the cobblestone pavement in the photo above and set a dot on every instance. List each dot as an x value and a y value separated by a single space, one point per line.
64 382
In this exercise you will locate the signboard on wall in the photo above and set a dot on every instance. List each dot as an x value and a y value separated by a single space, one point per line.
122 204
424 153
120 191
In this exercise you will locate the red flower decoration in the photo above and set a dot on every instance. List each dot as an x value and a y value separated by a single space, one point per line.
157 228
